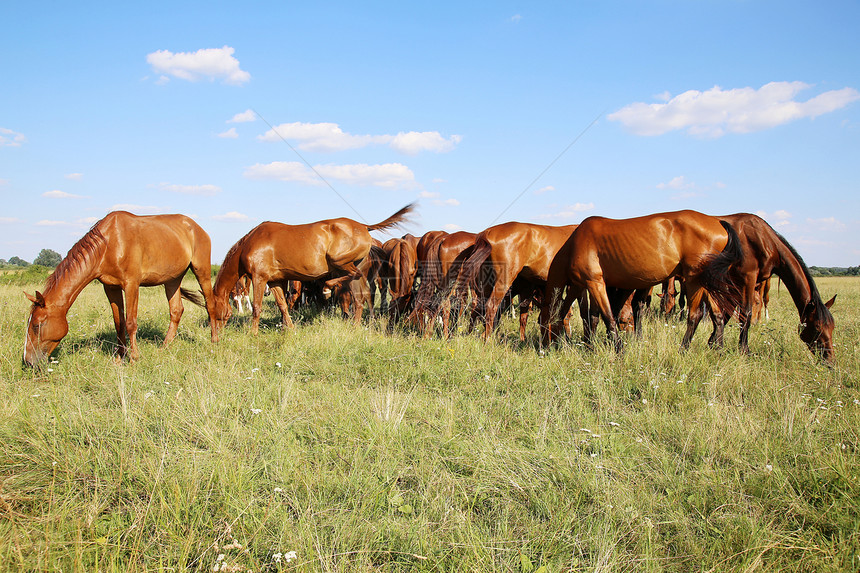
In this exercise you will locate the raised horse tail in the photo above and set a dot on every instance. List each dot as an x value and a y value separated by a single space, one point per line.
193 296
395 220
717 277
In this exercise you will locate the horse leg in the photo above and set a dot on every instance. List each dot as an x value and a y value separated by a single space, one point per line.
132 294
259 286
174 301
599 296
695 294
639 298
525 307
202 270
117 307
281 300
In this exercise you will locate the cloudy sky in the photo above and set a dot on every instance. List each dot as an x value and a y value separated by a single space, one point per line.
483 112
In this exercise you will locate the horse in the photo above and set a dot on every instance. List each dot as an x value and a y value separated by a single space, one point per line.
769 253
274 252
506 253
635 254
123 252
240 295
444 258
358 292
398 275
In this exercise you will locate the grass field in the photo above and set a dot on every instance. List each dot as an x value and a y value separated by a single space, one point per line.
339 447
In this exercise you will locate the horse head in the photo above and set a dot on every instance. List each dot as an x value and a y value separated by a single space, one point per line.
223 312
816 329
46 327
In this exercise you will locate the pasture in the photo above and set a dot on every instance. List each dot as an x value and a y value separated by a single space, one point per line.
341 447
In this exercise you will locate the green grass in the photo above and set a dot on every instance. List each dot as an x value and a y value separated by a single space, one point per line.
361 450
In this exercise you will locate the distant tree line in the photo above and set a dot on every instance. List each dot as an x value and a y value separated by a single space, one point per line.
835 271
47 258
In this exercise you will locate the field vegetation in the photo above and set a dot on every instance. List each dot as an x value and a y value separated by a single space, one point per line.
342 447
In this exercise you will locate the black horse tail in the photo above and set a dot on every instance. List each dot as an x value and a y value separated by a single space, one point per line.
716 275
193 296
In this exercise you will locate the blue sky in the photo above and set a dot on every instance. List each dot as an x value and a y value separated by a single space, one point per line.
231 112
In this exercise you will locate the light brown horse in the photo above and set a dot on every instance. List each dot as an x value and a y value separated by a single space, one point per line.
767 253
508 252
123 252
631 254
275 252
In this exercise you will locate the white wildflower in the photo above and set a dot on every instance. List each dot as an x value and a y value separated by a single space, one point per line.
278 364
256 410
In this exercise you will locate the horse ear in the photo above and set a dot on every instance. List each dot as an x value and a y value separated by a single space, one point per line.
38 300
830 302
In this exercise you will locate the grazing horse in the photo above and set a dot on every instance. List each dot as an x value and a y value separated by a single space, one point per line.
400 268
357 293
275 252
123 252
506 253
767 253
240 295
443 260
631 254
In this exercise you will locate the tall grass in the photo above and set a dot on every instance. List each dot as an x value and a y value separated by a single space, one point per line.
358 449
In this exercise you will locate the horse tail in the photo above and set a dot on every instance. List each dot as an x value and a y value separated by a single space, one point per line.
399 261
431 278
470 271
395 220
717 277
193 296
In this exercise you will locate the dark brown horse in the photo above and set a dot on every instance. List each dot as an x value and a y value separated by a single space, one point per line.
507 253
631 254
767 253
274 252
123 252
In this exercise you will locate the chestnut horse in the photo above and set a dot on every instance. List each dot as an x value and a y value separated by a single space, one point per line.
124 252
443 259
276 252
766 252
399 271
507 252
635 254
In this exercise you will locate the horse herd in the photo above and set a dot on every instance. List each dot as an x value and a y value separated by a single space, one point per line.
608 265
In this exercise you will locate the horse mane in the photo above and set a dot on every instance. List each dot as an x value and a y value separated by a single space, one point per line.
822 310
231 254
80 256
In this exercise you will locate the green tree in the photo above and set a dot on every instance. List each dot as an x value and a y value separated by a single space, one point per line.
48 258
18 262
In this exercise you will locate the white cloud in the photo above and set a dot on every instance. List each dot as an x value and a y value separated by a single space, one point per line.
679 182
414 142
57 194
9 138
827 224
203 190
779 218
543 190
452 227
244 117
231 216
49 223
327 137
428 195
446 202
229 134
8 220
516 18
207 63
715 112
388 175
569 211
74 176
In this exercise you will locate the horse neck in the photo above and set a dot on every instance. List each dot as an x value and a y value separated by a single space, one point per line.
227 277
69 281
790 270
